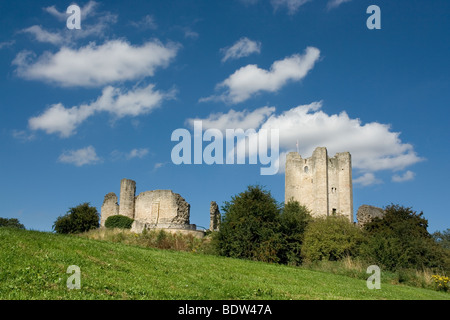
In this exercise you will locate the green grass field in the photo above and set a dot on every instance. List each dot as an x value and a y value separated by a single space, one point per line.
33 266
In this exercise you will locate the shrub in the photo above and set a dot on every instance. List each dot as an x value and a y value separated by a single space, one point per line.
293 221
81 218
118 221
401 240
442 238
11 223
331 238
441 282
250 227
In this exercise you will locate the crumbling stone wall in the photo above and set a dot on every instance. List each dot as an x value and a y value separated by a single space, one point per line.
367 213
214 215
161 207
110 207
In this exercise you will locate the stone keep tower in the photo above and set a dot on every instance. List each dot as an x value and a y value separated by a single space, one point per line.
322 184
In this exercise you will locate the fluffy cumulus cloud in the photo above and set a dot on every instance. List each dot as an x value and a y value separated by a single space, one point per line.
96 65
80 157
367 179
407 176
373 146
250 80
119 103
242 48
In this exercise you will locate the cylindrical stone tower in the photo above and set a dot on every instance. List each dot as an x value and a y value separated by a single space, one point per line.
127 196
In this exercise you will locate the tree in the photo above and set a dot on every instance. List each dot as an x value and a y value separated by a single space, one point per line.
11 223
331 238
442 238
293 222
401 240
79 219
250 226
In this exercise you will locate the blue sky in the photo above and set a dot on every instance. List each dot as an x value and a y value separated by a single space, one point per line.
82 109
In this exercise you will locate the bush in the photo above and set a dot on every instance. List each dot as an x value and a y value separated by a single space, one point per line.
11 223
293 222
442 238
79 219
118 221
331 238
250 227
400 240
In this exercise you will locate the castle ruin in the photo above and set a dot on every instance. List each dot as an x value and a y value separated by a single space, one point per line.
322 184
156 209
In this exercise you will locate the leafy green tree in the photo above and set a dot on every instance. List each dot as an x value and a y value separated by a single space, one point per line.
442 238
250 226
11 223
293 222
79 219
331 238
401 240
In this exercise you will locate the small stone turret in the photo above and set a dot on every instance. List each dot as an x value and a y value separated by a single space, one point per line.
127 196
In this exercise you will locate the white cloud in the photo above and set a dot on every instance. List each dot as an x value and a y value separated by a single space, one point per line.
147 22
137 153
159 165
80 157
190 34
42 35
242 48
407 176
64 36
251 79
96 65
22 135
373 146
291 5
336 3
235 119
58 119
367 179
87 10
6 44
119 103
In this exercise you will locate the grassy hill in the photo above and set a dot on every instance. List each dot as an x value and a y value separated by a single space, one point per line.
33 266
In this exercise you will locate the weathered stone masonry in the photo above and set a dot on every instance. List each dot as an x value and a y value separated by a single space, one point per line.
322 184
156 209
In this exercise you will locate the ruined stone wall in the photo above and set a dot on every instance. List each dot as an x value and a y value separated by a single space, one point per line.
214 217
366 214
157 209
322 184
109 208
161 207
127 195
